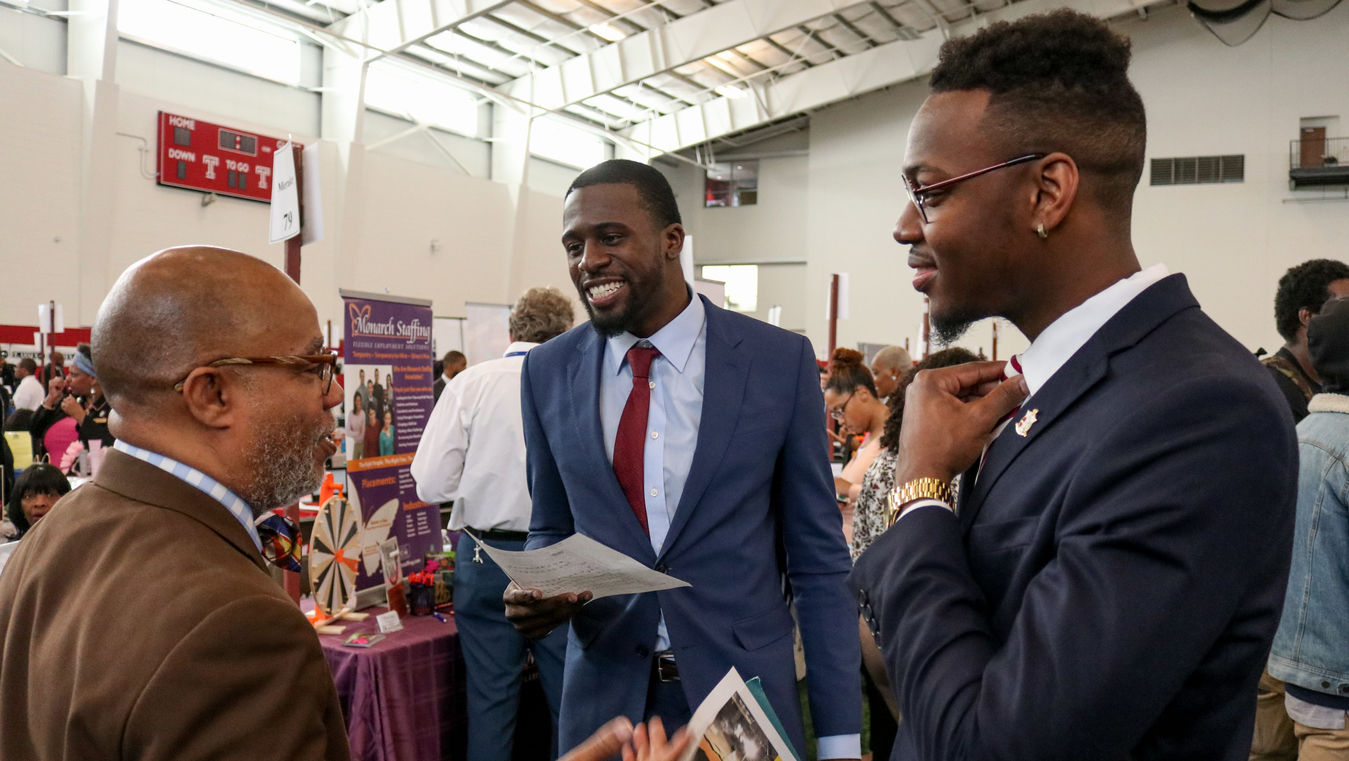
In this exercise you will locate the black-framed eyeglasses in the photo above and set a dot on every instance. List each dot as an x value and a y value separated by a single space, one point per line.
918 195
837 414
326 364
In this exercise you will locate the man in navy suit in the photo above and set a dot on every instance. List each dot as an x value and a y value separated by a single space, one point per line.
728 488
1108 584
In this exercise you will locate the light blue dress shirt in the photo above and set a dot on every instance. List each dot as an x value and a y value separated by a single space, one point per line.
676 379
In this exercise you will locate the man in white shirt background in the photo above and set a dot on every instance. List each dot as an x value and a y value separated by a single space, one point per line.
473 452
29 393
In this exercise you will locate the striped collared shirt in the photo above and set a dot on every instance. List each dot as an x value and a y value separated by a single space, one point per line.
211 487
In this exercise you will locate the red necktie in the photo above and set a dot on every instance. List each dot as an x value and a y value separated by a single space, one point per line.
1005 420
630 444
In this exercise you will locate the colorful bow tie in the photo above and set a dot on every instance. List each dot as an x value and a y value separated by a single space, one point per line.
281 541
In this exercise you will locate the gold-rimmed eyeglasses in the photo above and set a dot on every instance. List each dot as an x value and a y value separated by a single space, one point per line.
918 193
326 365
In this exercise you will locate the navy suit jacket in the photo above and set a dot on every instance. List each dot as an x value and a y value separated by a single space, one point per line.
1115 576
757 507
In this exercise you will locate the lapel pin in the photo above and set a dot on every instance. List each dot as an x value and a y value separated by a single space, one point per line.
1027 420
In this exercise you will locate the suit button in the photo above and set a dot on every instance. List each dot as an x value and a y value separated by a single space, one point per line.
662 568
643 651
1324 684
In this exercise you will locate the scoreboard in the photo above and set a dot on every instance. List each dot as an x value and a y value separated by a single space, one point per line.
199 155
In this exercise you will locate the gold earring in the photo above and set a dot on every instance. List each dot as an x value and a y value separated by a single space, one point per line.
1040 231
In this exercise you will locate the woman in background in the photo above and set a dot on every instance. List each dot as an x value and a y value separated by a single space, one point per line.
356 428
386 435
850 396
35 491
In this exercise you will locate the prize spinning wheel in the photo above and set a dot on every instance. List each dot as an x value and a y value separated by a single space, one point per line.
334 552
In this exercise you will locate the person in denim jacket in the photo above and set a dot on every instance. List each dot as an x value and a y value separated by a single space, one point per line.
1311 649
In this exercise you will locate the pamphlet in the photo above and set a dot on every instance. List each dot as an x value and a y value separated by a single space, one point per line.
579 564
736 723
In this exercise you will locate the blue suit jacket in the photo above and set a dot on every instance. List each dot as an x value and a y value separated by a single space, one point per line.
758 506
1113 580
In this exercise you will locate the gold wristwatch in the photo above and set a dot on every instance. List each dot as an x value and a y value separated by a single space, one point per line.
915 489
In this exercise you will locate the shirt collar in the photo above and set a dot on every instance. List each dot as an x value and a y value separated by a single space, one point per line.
674 340
1064 336
209 486
518 347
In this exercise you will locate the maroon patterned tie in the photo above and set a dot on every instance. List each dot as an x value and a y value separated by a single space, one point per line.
630 444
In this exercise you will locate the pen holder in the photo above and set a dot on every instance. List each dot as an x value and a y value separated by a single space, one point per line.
422 599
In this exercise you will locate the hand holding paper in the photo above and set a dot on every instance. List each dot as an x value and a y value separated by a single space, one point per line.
579 564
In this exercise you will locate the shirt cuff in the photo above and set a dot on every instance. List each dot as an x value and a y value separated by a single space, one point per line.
916 504
839 746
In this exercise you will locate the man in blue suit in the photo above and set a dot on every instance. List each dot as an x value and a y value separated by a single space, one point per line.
1108 584
692 439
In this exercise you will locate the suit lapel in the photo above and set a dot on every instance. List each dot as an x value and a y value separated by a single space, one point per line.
584 371
131 478
1076 377
723 391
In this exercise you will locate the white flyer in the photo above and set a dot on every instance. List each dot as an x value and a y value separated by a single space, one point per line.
731 725
578 564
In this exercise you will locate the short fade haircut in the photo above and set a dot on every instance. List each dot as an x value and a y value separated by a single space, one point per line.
1305 286
654 189
29 364
1058 82
541 314
452 356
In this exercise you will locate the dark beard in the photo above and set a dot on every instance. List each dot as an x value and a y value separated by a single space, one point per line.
283 463
948 330
612 325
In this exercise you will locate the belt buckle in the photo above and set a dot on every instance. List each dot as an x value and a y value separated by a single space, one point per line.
666 670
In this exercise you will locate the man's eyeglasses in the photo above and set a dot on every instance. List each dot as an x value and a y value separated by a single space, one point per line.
326 364
837 414
918 194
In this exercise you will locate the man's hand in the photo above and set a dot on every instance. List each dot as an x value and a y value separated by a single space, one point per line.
641 743
535 615
649 743
949 417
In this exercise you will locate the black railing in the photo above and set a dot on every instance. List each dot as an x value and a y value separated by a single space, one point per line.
1323 161
1326 151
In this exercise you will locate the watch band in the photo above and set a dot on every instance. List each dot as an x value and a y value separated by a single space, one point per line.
915 489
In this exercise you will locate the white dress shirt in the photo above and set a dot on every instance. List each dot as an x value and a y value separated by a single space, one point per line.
472 450
29 394
1057 343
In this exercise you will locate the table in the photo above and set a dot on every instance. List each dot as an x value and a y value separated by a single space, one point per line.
403 699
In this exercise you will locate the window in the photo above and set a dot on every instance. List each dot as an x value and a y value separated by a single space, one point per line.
742 284
403 91
733 183
214 32
1196 170
556 140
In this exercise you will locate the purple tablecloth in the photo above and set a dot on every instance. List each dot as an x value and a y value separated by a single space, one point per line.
403 698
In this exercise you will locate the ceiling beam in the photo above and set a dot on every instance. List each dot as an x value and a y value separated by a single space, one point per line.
847 77
662 49
394 25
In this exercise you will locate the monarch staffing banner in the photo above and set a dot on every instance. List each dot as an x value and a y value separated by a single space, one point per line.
386 381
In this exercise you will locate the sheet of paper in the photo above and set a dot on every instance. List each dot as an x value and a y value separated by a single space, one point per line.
577 564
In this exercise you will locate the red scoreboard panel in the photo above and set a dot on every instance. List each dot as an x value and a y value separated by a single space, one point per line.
198 155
